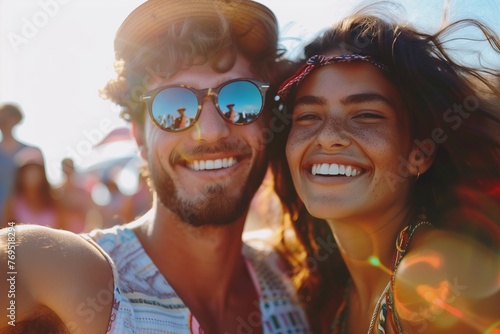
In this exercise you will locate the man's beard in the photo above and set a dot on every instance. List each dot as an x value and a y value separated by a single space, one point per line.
212 206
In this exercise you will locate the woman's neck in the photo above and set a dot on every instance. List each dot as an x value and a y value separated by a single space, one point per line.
367 247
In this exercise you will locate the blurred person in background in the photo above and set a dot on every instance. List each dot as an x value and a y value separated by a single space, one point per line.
118 200
10 117
75 202
31 200
115 207
142 198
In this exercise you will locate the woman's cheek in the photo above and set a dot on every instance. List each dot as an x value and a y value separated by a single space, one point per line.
297 138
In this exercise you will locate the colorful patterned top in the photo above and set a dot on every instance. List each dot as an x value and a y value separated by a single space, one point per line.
144 301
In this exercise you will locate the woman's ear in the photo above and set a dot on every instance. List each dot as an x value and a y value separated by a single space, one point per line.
420 160
138 133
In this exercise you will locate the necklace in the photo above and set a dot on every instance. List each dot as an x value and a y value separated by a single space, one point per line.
381 299
402 242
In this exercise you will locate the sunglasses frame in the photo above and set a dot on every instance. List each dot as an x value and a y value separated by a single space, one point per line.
149 97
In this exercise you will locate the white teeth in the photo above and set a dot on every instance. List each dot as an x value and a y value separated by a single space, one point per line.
324 169
334 169
348 171
342 169
212 164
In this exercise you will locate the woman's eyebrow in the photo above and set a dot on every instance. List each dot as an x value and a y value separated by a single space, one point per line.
366 97
351 99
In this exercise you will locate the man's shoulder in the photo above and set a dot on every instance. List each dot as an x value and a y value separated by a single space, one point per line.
260 249
118 238
277 293
267 262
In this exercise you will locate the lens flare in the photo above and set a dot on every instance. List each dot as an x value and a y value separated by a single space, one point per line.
375 261
441 284
493 329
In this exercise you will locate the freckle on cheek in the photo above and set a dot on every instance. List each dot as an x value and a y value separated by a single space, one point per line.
297 138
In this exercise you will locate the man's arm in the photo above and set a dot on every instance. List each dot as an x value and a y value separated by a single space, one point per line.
52 279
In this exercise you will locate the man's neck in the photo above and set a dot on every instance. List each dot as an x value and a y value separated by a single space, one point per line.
205 267
201 259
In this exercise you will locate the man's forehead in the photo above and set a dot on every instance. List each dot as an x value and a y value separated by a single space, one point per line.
204 76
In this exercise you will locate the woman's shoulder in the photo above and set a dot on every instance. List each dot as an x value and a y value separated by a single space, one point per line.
40 242
57 269
54 254
448 280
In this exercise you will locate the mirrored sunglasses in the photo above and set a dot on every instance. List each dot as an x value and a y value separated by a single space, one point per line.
176 108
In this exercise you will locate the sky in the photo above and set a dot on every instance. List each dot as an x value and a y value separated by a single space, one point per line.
56 54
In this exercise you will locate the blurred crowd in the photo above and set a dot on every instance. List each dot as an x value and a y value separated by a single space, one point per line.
80 203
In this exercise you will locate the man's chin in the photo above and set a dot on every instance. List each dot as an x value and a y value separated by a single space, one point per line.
218 211
216 204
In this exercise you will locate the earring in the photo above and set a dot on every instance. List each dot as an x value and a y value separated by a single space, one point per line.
418 173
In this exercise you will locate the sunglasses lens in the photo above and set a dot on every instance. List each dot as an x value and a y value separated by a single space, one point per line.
175 108
240 102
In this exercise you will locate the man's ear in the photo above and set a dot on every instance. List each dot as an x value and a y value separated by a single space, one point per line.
419 160
138 133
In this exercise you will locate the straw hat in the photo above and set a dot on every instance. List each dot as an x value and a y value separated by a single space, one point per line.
248 19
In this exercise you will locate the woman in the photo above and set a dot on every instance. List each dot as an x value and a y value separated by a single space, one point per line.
31 200
397 148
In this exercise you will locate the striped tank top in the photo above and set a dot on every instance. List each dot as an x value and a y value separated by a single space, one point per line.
144 301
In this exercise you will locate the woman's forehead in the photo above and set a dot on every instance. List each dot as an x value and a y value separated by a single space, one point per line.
339 81
353 76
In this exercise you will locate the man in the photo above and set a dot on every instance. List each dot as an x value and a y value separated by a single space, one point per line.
10 117
180 121
231 113
75 203
182 268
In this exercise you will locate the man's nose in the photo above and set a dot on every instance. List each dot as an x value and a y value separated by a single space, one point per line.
210 127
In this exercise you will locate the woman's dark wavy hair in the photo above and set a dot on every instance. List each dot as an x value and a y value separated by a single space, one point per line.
461 191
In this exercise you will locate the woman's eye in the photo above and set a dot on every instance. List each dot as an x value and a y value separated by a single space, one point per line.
306 117
369 115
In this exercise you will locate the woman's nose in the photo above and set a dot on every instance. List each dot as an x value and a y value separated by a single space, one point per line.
334 133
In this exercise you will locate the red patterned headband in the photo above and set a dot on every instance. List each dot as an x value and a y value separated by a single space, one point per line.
320 60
